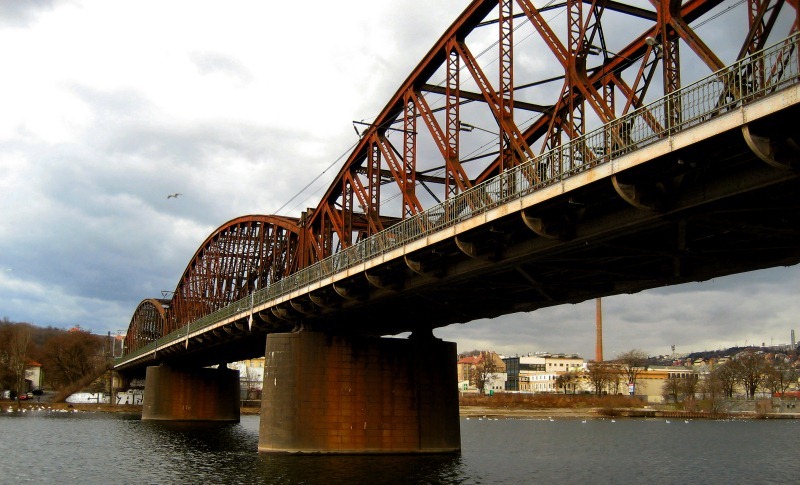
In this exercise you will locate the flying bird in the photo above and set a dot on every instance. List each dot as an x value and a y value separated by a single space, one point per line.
175 195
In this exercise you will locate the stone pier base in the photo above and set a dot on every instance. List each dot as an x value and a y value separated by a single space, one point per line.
173 394
333 394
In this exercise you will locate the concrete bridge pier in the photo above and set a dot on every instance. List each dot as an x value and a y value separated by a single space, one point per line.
336 394
191 394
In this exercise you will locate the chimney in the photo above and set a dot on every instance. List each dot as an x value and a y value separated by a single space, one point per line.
598 350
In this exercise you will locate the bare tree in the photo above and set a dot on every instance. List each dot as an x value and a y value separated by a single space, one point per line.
681 387
614 379
779 376
19 341
483 373
671 390
750 368
689 385
632 363
568 380
725 376
713 390
72 355
7 378
601 376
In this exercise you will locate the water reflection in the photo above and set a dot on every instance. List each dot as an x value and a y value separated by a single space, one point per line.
203 437
103 448
361 469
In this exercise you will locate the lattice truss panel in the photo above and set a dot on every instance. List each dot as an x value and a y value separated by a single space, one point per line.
511 79
147 323
507 81
242 256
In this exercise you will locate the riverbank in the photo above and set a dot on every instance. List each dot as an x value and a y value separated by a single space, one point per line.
464 411
33 405
506 413
489 409
584 406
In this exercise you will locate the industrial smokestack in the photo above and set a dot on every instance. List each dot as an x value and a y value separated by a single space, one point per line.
598 350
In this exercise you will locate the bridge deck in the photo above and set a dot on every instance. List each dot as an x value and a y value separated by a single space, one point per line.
642 154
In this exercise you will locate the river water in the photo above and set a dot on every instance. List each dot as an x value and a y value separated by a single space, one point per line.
50 447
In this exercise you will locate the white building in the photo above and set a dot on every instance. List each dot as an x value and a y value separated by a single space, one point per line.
538 373
496 383
539 382
251 373
33 375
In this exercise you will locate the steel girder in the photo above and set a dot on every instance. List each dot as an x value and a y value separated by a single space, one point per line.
243 255
452 90
147 323
457 120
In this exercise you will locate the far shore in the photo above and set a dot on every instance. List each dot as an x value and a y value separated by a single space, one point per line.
471 411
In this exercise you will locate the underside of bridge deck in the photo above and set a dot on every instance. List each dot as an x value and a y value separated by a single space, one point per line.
705 211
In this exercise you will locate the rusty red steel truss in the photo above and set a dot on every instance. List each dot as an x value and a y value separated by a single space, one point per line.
506 82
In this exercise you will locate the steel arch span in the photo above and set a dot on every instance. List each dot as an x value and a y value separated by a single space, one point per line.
242 256
551 74
147 323
509 82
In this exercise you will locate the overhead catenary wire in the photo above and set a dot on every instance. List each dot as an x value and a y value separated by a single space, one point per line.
344 154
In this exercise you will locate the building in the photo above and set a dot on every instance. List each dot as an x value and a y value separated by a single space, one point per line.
538 373
487 367
539 382
650 382
33 376
512 373
251 378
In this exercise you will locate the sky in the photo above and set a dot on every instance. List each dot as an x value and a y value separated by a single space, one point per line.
106 107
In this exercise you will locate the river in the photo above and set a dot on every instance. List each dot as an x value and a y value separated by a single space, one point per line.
84 447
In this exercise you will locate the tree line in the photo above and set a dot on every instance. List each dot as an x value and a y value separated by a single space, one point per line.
66 356
747 372
608 377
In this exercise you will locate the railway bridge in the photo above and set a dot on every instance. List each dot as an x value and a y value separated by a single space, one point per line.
537 155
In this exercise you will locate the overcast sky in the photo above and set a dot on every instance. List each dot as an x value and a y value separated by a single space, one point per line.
108 106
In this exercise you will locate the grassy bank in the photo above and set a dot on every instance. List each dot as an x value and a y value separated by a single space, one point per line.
548 401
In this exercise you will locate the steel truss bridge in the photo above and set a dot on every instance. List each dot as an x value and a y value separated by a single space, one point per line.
565 161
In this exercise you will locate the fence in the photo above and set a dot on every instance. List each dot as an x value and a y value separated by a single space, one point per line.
755 77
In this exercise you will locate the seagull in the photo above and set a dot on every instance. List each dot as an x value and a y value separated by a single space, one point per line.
175 195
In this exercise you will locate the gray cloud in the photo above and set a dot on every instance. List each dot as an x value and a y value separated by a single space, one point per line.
210 63
21 13
755 307
86 231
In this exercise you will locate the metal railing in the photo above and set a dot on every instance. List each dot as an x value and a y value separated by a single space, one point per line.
755 77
